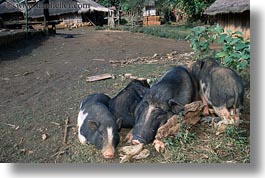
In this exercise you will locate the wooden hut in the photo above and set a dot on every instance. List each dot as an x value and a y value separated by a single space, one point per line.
150 14
70 11
93 12
9 13
232 14
58 10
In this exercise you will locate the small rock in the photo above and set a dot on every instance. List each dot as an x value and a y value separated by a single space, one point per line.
44 136
155 55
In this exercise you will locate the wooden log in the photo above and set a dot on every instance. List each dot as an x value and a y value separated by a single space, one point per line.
99 77
171 127
192 112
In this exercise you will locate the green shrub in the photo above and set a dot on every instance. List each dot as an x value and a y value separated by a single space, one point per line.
123 21
234 52
163 31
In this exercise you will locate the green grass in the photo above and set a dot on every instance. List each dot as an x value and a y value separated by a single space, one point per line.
163 31
202 145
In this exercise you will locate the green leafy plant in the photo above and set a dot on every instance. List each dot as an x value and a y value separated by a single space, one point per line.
234 52
184 136
237 134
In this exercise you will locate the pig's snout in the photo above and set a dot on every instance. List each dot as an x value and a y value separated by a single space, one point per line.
137 140
108 152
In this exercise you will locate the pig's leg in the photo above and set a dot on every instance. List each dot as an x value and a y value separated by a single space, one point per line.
222 112
235 112
129 137
206 107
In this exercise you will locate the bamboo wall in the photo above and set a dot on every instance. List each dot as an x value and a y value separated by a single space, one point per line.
236 22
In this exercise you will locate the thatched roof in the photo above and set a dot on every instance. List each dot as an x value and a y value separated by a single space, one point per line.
56 7
60 7
7 7
89 5
228 6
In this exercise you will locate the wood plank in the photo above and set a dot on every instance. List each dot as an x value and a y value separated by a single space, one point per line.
99 77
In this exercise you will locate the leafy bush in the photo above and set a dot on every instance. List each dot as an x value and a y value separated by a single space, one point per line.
123 21
234 52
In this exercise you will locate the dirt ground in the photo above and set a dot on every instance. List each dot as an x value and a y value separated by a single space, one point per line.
42 82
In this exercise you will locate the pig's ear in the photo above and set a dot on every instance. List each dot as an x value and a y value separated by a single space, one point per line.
92 124
119 122
176 107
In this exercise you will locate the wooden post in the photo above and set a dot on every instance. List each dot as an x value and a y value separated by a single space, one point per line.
27 18
46 15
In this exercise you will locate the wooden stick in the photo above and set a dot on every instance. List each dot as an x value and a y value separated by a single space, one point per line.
65 130
99 77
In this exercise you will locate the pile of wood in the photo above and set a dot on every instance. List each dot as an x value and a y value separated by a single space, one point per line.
151 20
63 25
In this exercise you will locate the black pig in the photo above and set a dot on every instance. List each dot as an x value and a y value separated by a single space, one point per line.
124 103
97 125
165 98
220 87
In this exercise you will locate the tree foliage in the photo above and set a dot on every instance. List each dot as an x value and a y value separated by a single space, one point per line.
124 5
193 8
132 6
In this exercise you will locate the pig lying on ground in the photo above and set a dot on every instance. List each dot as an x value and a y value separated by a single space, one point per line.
124 103
165 98
97 125
220 87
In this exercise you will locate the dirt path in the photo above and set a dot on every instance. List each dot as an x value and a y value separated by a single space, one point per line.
42 82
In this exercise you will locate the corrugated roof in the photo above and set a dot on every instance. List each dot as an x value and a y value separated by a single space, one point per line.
228 6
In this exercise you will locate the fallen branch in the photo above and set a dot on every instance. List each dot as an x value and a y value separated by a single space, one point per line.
60 152
65 130
99 77
55 123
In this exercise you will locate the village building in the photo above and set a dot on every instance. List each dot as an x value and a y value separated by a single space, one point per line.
232 15
150 16
9 13
71 12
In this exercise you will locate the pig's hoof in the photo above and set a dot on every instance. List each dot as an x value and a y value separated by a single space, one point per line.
159 146
206 111
135 142
222 125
